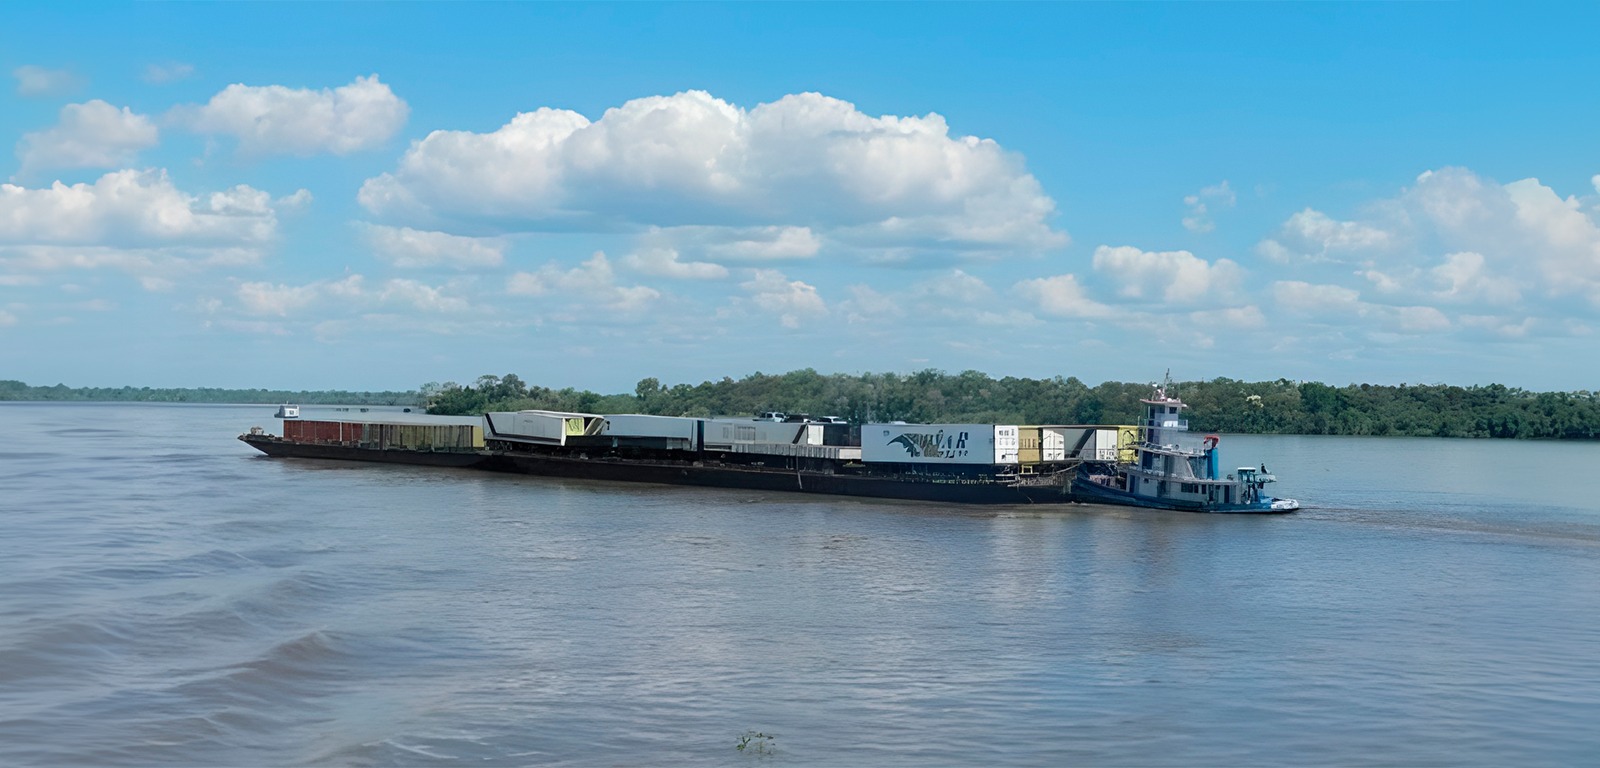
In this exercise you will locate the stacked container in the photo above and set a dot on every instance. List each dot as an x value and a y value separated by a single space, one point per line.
939 444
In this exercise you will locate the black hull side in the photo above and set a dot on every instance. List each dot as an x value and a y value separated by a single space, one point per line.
767 479
279 448
670 473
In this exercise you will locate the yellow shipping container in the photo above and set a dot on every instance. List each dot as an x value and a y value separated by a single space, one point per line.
1030 445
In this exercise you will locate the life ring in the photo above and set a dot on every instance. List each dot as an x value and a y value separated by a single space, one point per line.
1210 442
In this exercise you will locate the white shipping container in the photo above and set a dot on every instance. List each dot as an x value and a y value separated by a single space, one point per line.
1007 443
936 444
1105 445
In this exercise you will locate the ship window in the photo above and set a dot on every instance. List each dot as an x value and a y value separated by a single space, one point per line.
1190 487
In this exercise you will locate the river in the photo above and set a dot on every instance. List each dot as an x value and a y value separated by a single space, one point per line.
170 597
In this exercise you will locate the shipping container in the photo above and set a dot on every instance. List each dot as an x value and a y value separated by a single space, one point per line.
938 444
1005 444
1105 444
1030 445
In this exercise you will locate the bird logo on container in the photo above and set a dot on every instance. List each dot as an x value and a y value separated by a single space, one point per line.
935 446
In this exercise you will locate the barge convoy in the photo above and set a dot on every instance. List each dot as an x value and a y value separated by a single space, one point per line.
1156 464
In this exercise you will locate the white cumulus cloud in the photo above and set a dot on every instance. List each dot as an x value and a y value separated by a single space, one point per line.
593 281
132 208
420 296
409 248
738 244
805 167
93 134
345 296
665 262
300 121
1463 276
1312 299
792 301
1062 296
1341 306
259 298
1456 236
870 307
955 286
1312 234
1174 277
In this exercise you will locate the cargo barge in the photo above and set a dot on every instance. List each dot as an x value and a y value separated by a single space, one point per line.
959 463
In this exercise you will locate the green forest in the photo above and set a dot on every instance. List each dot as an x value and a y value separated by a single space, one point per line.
1218 405
16 390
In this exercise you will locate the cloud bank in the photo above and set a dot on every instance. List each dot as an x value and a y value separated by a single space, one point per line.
806 167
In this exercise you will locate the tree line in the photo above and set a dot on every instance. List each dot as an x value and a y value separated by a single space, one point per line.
16 390
1218 405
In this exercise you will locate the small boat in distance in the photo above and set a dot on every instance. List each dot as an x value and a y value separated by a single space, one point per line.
287 411
1171 469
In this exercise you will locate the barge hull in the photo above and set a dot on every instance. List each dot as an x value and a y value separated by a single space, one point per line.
673 473
279 448
772 479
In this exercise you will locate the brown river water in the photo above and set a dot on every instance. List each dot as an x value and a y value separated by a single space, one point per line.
170 597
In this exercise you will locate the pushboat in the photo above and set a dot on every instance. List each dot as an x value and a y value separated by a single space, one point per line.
1174 469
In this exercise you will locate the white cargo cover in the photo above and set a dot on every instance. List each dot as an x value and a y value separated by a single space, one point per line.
1080 442
639 425
835 452
1052 444
533 426
938 444
721 433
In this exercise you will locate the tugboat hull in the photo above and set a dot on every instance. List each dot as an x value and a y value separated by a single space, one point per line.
1090 492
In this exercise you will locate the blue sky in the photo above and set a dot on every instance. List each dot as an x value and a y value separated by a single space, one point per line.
373 196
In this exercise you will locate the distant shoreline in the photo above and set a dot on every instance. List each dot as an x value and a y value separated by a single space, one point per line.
16 391
1223 405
